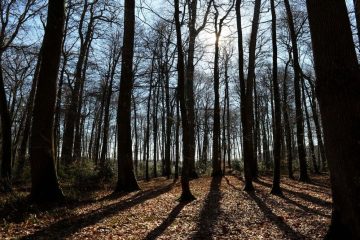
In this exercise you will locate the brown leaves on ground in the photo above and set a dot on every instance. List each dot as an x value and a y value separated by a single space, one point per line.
222 211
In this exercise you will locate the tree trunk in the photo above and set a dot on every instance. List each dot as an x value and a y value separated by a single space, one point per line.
318 128
177 147
169 123
288 139
310 135
5 173
45 186
357 17
115 60
277 126
216 158
186 194
126 177
27 126
72 111
338 87
147 134
297 87
248 113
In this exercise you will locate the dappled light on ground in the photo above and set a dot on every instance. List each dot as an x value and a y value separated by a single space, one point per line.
222 211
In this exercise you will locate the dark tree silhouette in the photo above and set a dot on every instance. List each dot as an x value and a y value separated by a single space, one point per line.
218 24
126 177
45 186
338 88
186 194
277 127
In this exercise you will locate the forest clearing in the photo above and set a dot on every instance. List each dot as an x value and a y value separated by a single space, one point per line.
221 211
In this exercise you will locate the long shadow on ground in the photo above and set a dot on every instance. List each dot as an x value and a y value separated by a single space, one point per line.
278 221
210 211
167 222
302 195
68 226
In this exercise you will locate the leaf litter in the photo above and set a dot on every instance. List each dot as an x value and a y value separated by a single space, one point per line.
222 210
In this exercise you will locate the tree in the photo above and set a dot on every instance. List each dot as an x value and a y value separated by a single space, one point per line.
71 117
189 78
297 87
247 112
10 27
338 87
126 177
277 126
186 194
45 186
216 172
113 62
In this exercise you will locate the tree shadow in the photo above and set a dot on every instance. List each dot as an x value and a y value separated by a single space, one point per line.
232 185
305 208
277 220
167 222
19 208
313 188
68 226
209 212
302 195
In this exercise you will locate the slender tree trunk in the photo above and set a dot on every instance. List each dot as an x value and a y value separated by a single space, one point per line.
297 87
72 111
186 194
266 151
147 135
318 129
277 127
216 161
254 165
136 147
310 135
288 139
155 127
78 117
177 147
27 126
116 57
169 124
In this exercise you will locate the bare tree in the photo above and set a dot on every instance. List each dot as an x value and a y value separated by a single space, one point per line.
45 186
126 177
277 126
186 194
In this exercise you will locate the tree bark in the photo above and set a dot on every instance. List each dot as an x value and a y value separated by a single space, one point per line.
357 17
248 112
277 126
45 186
186 194
338 87
126 177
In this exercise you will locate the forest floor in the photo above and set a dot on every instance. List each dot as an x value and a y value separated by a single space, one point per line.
221 211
